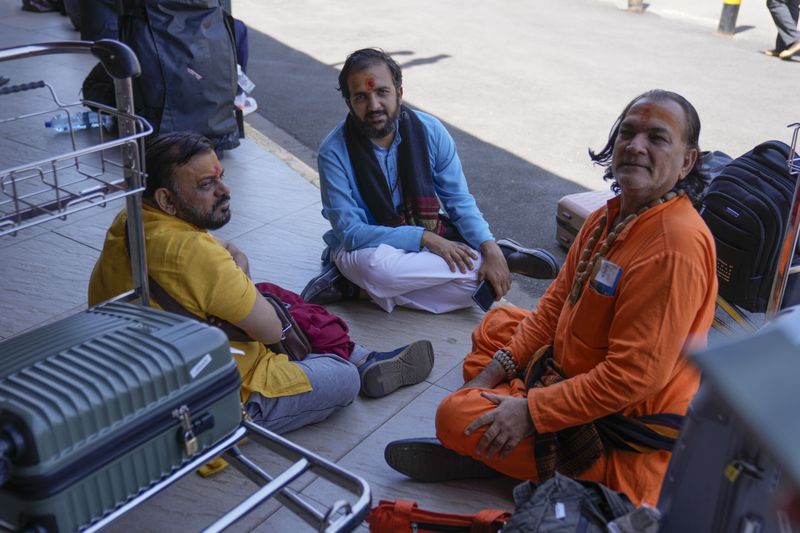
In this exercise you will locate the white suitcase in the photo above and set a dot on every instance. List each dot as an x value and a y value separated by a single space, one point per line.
573 209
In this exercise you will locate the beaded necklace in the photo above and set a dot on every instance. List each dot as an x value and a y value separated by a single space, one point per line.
585 265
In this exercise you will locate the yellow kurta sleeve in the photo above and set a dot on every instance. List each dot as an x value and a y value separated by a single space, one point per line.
202 276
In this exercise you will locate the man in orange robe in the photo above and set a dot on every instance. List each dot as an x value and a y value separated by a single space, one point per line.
637 289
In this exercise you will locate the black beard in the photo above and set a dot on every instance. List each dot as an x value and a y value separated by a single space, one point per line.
201 219
372 132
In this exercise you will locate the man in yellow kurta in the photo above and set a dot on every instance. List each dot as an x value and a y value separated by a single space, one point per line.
638 287
209 277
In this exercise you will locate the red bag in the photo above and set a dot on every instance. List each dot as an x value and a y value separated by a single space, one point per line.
326 332
401 516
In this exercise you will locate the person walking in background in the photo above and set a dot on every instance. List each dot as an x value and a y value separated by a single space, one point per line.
785 14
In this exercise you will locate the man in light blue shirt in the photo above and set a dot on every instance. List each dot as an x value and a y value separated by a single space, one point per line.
386 175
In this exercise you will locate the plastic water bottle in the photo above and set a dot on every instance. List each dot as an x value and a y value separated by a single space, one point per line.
81 120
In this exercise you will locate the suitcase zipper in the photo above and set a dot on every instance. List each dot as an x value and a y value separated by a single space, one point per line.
91 458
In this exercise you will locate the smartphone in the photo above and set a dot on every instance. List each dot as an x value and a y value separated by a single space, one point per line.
484 295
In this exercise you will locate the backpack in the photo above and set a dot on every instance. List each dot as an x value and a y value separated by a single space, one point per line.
188 58
712 163
746 207
98 19
562 505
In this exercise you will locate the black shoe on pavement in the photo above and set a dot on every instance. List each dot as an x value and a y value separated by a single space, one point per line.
383 373
329 287
428 461
531 262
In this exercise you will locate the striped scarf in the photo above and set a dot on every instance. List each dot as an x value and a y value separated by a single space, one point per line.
420 205
573 450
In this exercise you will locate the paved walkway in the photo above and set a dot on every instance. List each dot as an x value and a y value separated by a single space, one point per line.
276 220
44 273
753 22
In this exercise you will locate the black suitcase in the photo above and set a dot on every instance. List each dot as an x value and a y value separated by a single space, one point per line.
97 407
718 479
736 457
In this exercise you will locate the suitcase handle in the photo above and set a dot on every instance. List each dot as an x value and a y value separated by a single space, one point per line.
12 446
117 58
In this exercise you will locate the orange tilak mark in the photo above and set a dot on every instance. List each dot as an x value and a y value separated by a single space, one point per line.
644 112
370 84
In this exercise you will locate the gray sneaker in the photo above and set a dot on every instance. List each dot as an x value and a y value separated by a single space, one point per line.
384 372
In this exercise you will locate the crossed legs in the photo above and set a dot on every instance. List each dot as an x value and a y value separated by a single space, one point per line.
420 280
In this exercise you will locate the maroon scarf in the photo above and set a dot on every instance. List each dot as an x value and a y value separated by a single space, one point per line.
326 332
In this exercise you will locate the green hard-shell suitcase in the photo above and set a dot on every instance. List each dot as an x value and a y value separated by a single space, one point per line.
96 407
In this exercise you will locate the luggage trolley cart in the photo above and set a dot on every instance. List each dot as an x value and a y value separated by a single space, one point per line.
83 176
788 245
91 174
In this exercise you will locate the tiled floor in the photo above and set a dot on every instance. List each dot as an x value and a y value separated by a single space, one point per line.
277 222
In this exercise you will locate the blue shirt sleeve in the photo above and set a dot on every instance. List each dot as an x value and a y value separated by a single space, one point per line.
353 226
450 184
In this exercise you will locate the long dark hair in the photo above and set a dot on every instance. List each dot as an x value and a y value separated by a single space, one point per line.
695 182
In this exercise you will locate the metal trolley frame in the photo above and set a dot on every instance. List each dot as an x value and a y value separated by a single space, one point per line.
57 186
789 243
89 176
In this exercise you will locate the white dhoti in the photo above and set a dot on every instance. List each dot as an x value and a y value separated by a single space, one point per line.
419 280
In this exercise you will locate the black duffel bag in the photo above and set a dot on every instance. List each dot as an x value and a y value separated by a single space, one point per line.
188 57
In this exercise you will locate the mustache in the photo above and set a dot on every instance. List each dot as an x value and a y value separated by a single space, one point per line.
222 200
635 163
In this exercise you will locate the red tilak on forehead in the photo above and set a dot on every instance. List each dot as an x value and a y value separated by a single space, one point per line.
370 83
646 111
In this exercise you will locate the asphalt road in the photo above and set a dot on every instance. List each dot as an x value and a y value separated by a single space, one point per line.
524 87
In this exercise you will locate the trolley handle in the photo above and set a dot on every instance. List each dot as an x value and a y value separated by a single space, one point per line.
118 59
22 87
